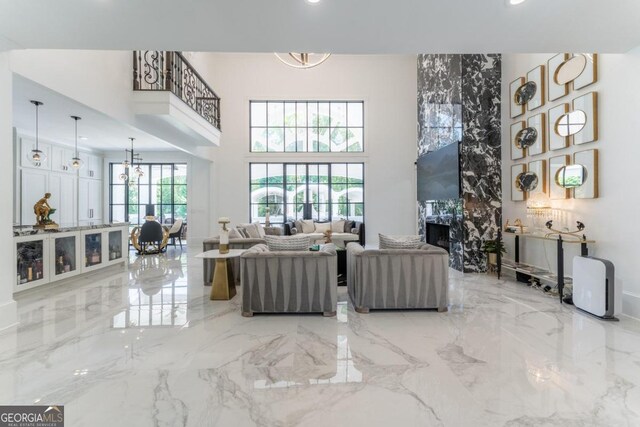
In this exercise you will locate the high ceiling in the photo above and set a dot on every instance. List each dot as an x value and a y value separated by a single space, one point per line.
102 132
338 26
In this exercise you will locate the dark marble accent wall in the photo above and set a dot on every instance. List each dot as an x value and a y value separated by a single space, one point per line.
459 100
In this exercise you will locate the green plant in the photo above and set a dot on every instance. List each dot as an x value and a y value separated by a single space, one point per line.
493 246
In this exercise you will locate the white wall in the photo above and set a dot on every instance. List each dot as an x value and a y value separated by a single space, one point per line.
386 83
610 219
7 253
98 79
199 193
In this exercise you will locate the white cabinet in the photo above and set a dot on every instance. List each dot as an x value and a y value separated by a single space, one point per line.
63 197
89 201
92 166
33 185
26 145
60 157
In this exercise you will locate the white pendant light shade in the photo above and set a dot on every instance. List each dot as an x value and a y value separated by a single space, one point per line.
126 164
138 170
123 177
36 156
76 162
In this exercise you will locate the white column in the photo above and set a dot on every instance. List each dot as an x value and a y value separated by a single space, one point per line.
8 313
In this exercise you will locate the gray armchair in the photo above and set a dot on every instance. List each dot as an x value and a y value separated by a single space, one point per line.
209 265
289 281
398 278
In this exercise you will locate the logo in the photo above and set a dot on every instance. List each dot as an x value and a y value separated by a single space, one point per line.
32 416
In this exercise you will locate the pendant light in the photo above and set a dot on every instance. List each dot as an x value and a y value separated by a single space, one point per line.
76 162
35 156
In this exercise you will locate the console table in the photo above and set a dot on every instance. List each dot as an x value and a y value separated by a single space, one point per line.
538 273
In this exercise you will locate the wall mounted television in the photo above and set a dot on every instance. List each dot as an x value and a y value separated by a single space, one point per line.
439 174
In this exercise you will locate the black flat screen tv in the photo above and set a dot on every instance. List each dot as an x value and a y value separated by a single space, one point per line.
439 174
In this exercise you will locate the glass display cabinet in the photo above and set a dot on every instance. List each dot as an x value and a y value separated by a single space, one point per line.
43 257
115 245
31 265
92 249
65 250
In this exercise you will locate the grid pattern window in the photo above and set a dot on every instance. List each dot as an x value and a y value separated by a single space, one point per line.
163 185
319 191
307 126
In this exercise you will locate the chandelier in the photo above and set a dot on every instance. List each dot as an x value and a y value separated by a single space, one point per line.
302 60
129 162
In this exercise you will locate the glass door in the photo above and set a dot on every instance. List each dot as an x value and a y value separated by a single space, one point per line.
65 255
30 262
115 245
92 249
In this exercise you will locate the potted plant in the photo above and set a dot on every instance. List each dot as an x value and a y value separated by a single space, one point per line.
491 248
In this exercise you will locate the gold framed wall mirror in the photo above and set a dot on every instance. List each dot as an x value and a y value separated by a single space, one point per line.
557 192
589 189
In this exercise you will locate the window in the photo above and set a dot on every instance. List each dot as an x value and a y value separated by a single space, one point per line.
319 191
307 126
163 185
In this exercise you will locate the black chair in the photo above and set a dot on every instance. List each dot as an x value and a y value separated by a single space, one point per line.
151 233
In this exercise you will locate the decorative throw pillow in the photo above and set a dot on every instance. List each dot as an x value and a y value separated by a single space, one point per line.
348 225
242 232
307 226
234 233
321 227
338 226
294 231
260 228
252 231
399 242
298 226
288 243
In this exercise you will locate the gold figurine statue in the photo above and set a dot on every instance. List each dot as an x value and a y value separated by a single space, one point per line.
43 212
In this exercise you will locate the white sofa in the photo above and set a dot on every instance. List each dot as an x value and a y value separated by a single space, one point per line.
315 231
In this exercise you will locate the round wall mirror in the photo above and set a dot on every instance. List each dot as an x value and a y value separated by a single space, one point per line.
526 138
525 93
571 123
571 176
570 69
527 181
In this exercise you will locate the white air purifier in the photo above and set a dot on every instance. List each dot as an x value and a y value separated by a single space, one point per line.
594 289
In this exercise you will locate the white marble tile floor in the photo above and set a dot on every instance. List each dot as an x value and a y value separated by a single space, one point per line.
146 347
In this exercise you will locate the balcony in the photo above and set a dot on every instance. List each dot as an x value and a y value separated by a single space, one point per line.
172 98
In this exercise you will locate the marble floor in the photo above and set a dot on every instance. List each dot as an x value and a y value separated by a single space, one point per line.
146 347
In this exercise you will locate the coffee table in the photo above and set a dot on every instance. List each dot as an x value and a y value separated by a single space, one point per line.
222 286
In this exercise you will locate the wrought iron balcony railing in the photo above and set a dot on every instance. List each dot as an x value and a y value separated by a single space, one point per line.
155 70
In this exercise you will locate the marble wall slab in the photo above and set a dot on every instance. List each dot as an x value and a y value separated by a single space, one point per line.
459 101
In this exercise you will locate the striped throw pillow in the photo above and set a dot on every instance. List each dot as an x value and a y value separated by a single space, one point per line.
399 242
288 243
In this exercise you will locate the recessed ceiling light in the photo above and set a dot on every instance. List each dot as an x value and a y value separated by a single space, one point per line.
83 138
515 2
313 1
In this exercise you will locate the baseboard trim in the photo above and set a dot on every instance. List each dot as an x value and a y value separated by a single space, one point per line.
631 305
8 315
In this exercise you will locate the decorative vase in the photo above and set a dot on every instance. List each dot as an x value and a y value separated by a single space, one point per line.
224 236
493 258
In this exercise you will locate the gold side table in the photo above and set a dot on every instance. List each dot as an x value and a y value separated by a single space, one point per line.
222 286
